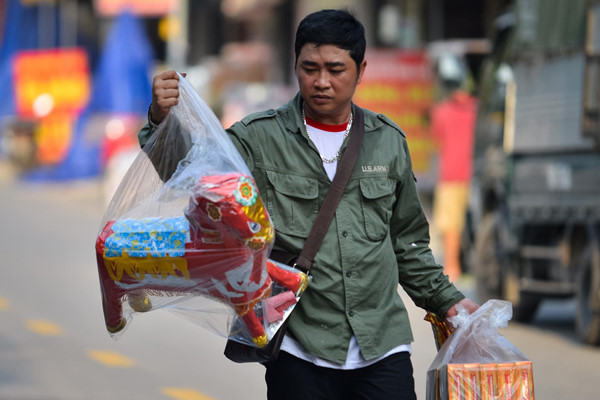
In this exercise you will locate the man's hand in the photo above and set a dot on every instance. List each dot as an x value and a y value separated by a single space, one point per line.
468 304
165 94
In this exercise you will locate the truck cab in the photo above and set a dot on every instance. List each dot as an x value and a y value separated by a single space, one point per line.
533 228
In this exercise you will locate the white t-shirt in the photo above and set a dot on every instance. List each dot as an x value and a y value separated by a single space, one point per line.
328 139
354 358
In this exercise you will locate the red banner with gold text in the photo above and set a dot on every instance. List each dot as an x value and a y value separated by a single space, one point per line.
399 84
136 7
52 87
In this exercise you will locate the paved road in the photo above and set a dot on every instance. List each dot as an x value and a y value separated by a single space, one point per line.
53 344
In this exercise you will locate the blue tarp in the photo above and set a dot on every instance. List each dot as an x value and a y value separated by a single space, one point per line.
122 79
20 33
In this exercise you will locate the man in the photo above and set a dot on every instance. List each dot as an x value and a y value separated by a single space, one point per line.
349 336
453 126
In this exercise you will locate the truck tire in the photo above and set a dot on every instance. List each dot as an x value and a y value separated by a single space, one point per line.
495 270
587 318
524 304
486 266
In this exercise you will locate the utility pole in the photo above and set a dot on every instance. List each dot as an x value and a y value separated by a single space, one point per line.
177 43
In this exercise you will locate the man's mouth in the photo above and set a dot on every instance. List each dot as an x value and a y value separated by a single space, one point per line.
321 98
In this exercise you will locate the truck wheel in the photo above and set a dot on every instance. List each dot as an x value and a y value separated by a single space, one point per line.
466 254
487 266
524 304
495 271
587 319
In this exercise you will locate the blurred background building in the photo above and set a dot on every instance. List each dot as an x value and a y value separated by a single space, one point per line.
76 74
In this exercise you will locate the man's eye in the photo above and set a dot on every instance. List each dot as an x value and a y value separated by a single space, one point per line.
336 71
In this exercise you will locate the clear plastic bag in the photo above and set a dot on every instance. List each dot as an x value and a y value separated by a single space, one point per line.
187 231
477 362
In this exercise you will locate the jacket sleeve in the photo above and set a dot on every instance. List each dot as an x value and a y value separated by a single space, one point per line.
165 150
418 273
144 134
240 136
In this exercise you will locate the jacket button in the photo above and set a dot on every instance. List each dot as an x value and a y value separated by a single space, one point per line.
344 234
348 274
271 112
351 313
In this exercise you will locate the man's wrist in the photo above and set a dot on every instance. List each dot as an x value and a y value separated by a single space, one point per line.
153 125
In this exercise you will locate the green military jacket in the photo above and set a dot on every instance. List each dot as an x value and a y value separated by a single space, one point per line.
378 238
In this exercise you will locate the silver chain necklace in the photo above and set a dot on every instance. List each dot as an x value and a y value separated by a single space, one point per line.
346 133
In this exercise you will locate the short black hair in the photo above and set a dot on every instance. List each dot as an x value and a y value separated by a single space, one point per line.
337 27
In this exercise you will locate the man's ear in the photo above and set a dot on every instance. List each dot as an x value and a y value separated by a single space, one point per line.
361 71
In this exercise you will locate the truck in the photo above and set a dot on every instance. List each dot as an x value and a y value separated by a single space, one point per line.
533 221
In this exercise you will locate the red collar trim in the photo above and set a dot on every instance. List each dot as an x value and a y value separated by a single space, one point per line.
325 127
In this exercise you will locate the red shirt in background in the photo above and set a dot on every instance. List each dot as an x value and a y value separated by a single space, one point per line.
453 126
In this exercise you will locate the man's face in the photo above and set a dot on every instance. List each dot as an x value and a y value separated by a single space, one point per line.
327 77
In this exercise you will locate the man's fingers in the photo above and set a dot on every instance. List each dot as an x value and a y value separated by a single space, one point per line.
467 303
165 84
165 94
166 104
166 75
161 93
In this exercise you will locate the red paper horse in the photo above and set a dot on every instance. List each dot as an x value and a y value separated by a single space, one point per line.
218 250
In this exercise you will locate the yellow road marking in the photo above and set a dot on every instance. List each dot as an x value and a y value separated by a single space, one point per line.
45 328
4 304
185 394
110 358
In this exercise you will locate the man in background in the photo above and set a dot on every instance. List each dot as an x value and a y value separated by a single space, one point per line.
453 125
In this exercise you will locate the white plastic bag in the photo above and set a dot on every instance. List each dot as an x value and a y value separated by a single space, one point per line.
477 362
188 231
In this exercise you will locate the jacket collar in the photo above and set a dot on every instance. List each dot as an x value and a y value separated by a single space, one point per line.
293 116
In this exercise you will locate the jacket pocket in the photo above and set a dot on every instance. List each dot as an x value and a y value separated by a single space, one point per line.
292 202
377 201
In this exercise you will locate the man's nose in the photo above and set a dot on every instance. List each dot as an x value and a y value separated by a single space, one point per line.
322 80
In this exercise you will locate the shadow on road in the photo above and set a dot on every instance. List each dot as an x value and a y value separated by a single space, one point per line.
555 317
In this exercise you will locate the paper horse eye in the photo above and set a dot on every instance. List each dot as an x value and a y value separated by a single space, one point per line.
254 226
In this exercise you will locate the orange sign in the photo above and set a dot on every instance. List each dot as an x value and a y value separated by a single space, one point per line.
52 87
399 84
137 7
